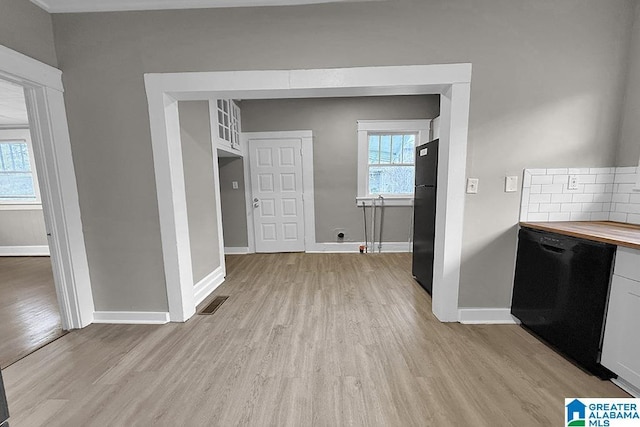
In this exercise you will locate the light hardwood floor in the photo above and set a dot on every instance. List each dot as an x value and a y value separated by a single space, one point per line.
29 313
315 339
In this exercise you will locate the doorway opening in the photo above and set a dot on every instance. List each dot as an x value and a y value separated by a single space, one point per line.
450 81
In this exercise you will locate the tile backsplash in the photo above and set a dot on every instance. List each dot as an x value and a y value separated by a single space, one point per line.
601 194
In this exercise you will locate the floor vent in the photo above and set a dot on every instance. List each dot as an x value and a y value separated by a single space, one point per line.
215 304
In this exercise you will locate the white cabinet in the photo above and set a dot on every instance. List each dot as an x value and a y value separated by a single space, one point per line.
225 123
621 345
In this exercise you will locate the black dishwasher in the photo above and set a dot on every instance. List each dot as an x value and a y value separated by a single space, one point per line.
560 293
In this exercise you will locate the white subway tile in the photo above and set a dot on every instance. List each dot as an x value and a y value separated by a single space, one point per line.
551 188
560 216
571 207
629 169
526 181
605 178
542 217
561 198
533 207
536 189
561 171
580 216
537 171
633 208
525 197
592 207
594 188
586 179
539 198
541 179
634 198
560 179
633 218
625 188
625 178
578 171
549 207
623 207
618 216
602 170
608 188
620 198
606 207
582 198
602 197
599 216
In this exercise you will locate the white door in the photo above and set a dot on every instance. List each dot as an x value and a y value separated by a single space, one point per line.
276 183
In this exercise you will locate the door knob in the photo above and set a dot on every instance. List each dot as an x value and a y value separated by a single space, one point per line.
255 205
256 199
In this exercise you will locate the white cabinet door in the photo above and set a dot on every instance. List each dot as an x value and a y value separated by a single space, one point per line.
621 346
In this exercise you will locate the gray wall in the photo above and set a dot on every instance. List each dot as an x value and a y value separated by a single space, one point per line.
335 153
199 180
629 148
234 209
546 91
22 228
28 29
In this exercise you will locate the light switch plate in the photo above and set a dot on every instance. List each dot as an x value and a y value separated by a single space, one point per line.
472 185
573 182
511 184
234 185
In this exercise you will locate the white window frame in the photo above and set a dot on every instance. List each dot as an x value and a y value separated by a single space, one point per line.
7 135
421 127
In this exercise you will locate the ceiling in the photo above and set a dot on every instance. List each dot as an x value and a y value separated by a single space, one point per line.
69 6
13 109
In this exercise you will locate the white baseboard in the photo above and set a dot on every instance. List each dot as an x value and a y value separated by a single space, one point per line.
204 287
235 250
486 316
24 250
629 388
354 247
131 317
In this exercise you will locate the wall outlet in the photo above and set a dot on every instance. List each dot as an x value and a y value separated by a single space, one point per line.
511 184
472 185
234 185
573 182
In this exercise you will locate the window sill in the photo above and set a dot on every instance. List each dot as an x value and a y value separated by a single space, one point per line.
20 206
386 201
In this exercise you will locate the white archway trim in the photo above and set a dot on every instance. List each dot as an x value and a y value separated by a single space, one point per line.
451 81
58 188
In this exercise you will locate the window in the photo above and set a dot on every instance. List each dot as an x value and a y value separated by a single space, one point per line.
18 182
386 158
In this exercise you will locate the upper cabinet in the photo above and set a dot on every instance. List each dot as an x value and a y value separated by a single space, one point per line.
225 123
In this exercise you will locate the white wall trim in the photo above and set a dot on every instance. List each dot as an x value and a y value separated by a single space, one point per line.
75 6
57 180
232 250
131 317
354 247
41 250
451 81
626 386
487 316
208 284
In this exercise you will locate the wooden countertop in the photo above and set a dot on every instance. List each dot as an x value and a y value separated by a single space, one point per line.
616 233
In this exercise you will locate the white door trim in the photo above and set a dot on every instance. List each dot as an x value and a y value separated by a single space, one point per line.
308 201
57 179
451 81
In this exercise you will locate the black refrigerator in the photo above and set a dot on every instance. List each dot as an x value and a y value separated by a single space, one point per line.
424 213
